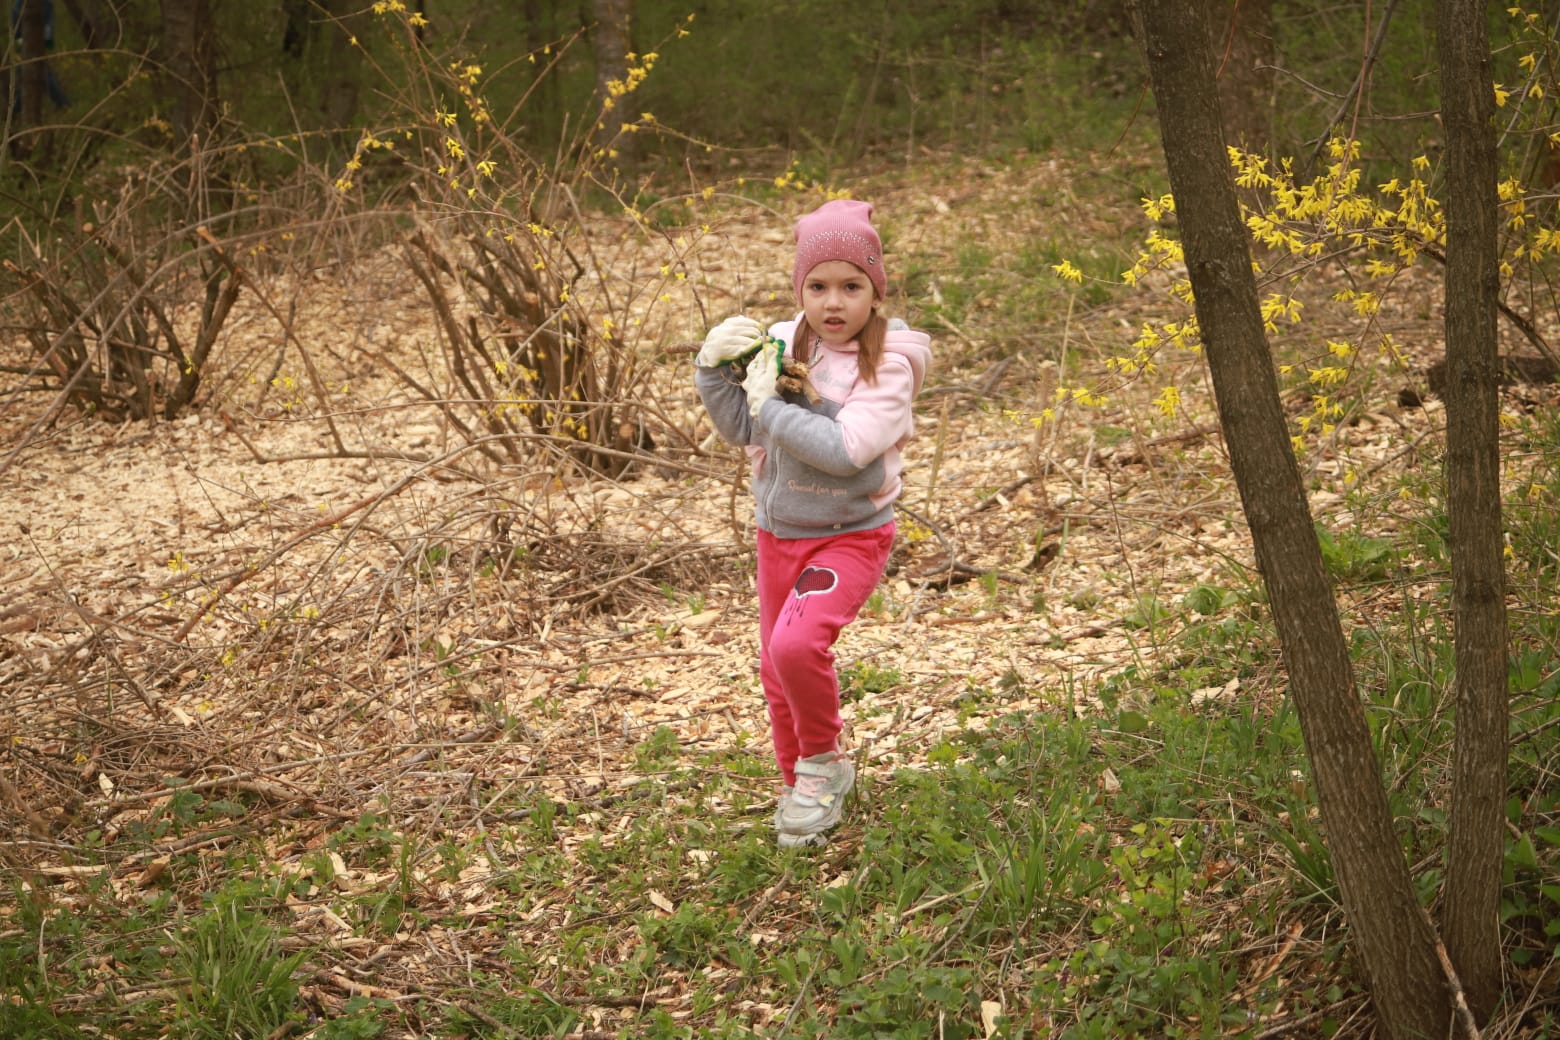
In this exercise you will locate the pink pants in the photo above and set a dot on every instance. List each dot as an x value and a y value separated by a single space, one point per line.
809 589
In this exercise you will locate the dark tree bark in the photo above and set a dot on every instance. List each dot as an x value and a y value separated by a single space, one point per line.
297 21
323 66
1390 932
98 21
32 76
1476 844
541 31
611 39
1244 51
190 67
339 101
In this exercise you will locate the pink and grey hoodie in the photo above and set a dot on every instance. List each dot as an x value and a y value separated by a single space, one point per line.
834 466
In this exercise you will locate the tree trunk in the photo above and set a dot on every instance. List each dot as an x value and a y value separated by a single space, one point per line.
94 18
541 31
323 68
610 42
297 27
190 64
339 102
1244 51
1475 846
32 76
1390 931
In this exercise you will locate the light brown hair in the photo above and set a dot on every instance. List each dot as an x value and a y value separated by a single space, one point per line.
869 342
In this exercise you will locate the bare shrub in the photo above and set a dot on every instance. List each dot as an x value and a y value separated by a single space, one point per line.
542 348
96 304
303 656
522 360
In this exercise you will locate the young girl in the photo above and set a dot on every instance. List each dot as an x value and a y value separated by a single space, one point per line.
825 476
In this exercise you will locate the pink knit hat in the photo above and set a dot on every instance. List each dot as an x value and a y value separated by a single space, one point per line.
840 230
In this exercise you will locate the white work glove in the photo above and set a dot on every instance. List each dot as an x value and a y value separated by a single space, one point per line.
762 372
735 338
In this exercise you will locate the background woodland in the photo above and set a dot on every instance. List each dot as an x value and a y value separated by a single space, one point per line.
375 602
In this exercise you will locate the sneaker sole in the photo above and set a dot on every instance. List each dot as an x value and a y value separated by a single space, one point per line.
802 841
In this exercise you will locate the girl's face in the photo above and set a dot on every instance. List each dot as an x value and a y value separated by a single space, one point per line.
837 299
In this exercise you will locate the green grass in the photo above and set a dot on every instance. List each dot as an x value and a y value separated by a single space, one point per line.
1123 871
1003 874
1107 875
238 981
1009 287
1150 864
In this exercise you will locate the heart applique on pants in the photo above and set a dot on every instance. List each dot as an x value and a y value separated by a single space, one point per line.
815 581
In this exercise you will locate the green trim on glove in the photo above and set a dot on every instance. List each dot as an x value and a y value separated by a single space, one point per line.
779 351
737 338
763 373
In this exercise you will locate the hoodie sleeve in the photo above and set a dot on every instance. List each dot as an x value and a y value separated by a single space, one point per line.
876 417
726 402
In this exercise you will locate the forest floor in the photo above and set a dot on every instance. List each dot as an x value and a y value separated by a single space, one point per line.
297 595
1058 533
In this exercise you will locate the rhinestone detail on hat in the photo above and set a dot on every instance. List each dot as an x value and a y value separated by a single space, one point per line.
834 245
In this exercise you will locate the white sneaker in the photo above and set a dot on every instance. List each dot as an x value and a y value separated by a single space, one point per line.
793 841
785 796
818 800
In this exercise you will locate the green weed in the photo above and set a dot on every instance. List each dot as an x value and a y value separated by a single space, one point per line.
1354 557
862 677
236 980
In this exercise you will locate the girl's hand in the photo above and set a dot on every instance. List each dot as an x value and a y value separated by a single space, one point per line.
735 338
762 374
